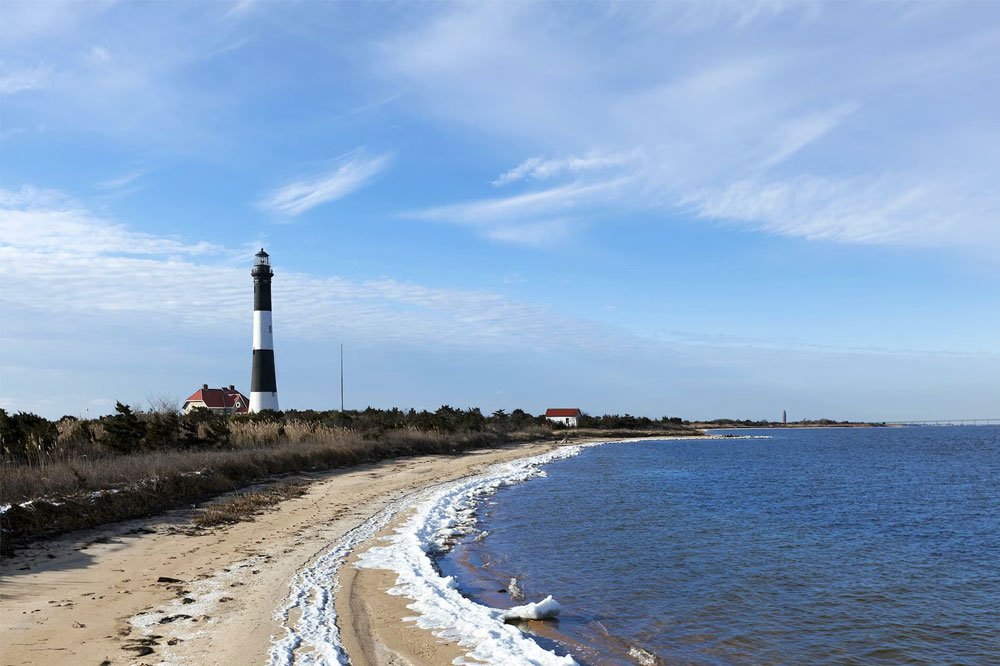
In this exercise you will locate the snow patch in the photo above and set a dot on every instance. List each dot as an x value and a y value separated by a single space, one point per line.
642 657
442 513
314 638
440 608
546 609
515 590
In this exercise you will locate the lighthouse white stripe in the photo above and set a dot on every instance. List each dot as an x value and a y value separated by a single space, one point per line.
263 336
260 400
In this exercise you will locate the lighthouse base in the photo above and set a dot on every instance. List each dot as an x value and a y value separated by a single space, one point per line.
259 401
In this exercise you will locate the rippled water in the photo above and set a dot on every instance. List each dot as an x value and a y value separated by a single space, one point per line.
845 546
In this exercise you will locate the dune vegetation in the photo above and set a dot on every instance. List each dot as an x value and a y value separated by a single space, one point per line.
73 473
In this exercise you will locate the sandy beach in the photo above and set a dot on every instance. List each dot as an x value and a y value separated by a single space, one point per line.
160 591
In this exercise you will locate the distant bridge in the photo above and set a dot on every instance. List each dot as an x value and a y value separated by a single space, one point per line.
946 422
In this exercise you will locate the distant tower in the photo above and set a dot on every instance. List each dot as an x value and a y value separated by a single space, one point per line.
263 385
784 417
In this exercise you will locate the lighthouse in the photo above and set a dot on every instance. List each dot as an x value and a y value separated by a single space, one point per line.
263 385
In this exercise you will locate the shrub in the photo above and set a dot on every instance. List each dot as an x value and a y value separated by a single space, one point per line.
123 432
27 438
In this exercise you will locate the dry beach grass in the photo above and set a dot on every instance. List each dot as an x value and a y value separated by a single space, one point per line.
72 494
76 473
245 505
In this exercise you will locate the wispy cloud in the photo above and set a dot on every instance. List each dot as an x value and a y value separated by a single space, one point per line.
370 106
798 133
887 210
60 259
350 172
540 168
30 21
43 221
98 54
23 80
120 181
126 74
498 210
535 218
804 138
548 233
240 8
227 48
29 197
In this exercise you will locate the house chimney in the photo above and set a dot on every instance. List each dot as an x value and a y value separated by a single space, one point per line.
232 388
204 386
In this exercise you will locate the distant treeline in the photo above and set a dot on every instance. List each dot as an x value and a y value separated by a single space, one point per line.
29 439
748 423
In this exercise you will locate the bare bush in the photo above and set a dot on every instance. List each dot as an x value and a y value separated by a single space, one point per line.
164 404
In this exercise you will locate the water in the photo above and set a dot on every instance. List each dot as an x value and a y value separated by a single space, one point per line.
836 546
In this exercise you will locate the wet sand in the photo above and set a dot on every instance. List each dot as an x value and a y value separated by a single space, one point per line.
373 627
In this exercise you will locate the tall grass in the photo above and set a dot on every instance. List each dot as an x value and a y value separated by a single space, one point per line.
70 474
83 492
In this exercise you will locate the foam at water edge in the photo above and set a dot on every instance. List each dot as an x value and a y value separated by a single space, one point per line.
442 512
545 609
439 606
314 638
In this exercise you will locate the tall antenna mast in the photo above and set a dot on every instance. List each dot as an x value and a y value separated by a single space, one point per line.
341 376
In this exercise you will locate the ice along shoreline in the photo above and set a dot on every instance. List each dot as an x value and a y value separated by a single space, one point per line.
439 514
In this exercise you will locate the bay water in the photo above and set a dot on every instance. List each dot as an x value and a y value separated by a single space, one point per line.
806 546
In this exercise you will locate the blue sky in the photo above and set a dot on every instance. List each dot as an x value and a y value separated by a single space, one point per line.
692 209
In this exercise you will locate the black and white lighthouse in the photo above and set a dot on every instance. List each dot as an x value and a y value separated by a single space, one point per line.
263 384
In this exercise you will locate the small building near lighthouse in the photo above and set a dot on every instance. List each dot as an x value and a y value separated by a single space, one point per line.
565 415
219 400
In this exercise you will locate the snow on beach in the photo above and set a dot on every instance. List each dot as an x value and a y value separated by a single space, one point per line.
440 514
440 608
546 609
314 637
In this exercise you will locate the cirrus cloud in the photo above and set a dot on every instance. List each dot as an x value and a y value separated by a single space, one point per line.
349 173
761 115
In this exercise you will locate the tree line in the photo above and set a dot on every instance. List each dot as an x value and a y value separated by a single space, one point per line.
27 438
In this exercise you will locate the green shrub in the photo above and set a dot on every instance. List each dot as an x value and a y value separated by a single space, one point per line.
27 438
123 432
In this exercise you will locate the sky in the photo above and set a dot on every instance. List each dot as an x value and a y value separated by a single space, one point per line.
705 210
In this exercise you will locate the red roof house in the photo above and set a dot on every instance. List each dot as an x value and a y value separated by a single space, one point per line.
566 416
222 400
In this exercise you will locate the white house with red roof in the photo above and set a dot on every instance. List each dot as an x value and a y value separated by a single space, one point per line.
221 400
566 416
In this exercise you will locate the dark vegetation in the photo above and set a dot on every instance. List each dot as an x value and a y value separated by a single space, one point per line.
806 423
244 506
74 473
628 422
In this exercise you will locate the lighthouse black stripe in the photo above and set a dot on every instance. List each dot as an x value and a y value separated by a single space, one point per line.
263 380
262 294
263 383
